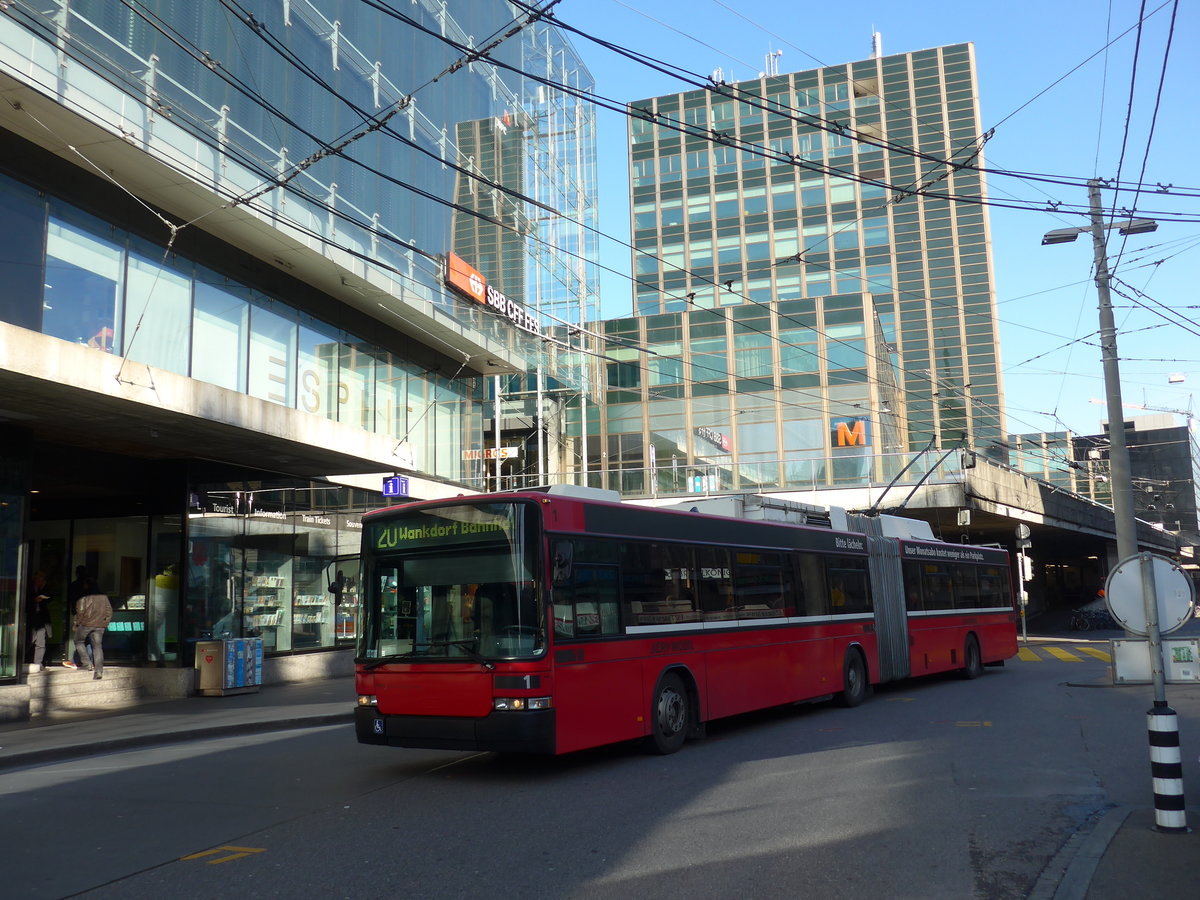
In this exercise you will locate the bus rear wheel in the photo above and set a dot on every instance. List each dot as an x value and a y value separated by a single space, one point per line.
670 714
972 659
854 680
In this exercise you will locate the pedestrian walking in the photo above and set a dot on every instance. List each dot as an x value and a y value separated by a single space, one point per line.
39 619
75 590
91 618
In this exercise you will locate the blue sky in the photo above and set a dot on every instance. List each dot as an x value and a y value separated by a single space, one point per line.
1059 103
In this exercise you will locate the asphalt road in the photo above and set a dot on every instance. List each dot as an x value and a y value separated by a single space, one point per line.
935 788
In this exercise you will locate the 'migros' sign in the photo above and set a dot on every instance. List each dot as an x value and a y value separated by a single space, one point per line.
464 278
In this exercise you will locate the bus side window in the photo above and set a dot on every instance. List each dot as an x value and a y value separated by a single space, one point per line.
993 588
758 584
812 578
849 591
937 588
966 588
714 587
913 601
656 584
793 589
587 606
563 612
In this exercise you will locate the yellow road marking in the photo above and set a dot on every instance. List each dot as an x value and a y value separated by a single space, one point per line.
1065 655
1029 654
973 724
899 699
234 853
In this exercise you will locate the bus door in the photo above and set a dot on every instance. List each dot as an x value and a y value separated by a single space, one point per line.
598 691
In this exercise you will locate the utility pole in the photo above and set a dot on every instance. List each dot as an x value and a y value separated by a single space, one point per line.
1162 722
1118 453
1121 479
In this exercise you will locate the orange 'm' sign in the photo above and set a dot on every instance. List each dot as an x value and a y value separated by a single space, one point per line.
855 436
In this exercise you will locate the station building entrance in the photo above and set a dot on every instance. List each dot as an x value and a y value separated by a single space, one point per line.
187 551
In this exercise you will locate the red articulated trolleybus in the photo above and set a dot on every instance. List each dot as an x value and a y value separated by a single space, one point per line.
551 621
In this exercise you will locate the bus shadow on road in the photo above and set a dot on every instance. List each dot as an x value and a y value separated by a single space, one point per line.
764 732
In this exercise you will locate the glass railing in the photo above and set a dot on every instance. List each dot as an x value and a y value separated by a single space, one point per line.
815 473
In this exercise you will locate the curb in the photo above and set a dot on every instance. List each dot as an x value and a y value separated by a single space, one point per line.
1068 876
19 758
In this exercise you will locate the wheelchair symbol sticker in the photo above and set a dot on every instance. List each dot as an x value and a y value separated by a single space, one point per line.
377 725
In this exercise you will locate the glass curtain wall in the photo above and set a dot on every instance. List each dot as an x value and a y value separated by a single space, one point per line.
106 289
386 192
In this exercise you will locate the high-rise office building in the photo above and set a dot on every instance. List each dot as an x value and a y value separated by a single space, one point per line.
813 278
248 248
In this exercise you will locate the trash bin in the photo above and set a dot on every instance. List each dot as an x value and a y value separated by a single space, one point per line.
231 666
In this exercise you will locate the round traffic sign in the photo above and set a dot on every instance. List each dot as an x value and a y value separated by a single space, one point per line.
1174 592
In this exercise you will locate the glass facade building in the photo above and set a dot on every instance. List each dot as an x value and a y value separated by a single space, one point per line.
839 209
225 252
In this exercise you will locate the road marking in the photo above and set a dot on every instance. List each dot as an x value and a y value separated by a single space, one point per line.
234 853
1028 654
900 699
972 724
1064 655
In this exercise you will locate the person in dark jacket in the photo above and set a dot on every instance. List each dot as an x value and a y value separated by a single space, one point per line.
92 616
39 619
75 590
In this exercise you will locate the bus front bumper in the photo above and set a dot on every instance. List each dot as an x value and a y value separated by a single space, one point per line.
526 731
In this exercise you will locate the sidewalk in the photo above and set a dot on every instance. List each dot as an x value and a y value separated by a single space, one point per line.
68 735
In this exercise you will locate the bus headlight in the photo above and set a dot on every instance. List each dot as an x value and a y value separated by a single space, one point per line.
518 703
367 700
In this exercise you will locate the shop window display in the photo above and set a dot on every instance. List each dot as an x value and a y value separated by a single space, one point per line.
278 563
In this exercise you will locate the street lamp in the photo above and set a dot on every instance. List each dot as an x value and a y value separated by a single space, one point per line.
1128 226
1162 718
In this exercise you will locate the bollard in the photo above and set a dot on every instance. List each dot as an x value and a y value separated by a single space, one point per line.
1166 768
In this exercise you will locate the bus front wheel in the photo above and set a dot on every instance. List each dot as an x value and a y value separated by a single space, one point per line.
670 715
854 680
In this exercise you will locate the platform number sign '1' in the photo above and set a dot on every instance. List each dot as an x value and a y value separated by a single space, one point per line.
396 486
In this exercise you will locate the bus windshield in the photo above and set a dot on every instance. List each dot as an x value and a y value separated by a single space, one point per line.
452 583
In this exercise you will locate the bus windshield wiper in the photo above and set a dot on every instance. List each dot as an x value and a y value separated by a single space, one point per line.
384 660
468 647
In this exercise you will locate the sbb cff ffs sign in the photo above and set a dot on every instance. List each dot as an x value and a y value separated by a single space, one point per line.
464 278
850 432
